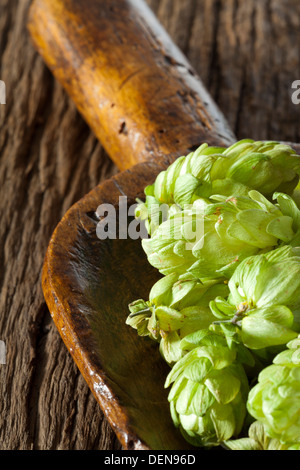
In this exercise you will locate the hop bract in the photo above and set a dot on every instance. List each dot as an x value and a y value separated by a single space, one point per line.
264 299
209 391
176 307
274 401
209 239
264 166
258 440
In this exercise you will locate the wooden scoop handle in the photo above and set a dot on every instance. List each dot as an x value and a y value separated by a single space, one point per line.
132 85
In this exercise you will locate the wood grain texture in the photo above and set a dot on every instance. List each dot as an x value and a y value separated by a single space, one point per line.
88 284
132 85
247 54
49 159
145 103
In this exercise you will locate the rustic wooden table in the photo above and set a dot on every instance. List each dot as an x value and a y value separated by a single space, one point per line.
248 55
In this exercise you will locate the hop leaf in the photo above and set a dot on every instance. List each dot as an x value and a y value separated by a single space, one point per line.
209 392
274 401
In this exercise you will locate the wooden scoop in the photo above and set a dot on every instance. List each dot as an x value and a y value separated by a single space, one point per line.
145 103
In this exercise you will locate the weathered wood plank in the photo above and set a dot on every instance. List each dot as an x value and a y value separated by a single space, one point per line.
49 159
247 54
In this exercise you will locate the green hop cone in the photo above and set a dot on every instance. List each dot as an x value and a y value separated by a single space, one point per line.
209 239
262 307
264 166
274 401
209 390
176 307
258 440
